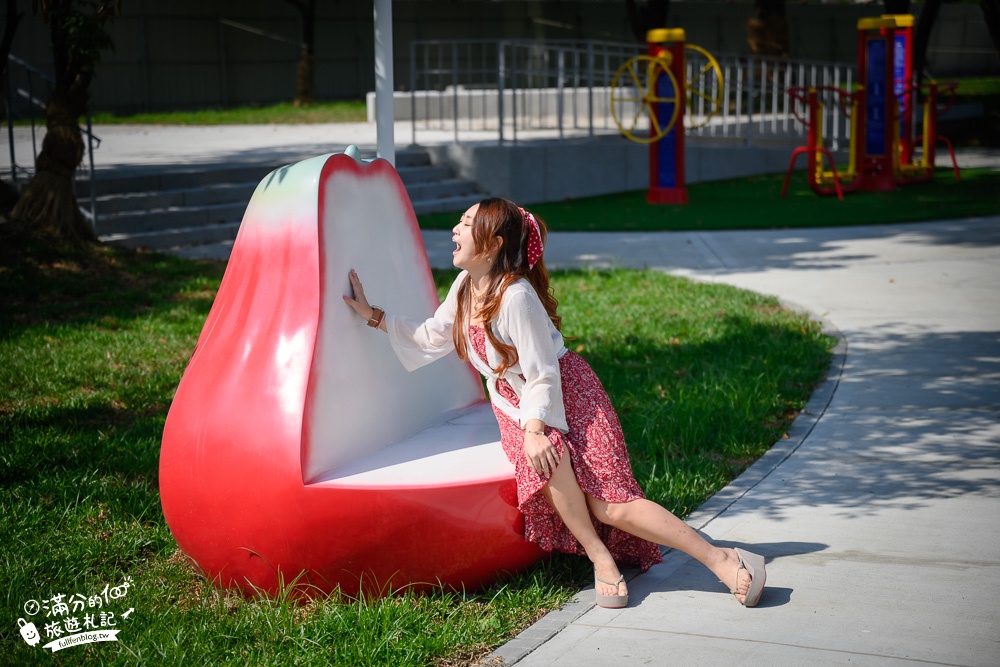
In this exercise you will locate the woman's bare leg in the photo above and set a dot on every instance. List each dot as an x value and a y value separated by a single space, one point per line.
648 520
567 498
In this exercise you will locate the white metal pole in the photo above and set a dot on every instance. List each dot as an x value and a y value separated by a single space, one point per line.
384 103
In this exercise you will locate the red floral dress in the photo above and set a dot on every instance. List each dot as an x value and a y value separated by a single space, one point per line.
600 460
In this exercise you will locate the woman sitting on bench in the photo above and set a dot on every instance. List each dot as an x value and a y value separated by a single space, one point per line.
548 402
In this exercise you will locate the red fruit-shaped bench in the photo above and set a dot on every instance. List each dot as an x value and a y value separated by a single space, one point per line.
297 448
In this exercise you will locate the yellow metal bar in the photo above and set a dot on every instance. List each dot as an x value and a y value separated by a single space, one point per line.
875 23
819 142
900 20
852 150
661 35
925 141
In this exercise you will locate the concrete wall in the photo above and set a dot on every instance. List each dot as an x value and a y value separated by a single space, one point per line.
481 106
544 171
180 55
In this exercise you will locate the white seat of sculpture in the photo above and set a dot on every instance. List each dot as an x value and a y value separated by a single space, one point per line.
464 447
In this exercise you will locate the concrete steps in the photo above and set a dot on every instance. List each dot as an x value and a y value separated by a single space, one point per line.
196 211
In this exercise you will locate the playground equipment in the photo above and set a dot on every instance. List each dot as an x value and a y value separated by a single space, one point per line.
908 168
820 179
298 451
874 155
647 86
881 152
703 86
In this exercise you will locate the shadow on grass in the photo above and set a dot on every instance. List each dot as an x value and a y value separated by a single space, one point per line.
70 440
695 415
102 423
41 284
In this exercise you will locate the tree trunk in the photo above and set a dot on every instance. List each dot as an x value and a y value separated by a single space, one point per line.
48 204
922 36
304 72
304 79
8 193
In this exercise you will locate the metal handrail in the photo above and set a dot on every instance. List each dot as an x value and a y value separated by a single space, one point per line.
14 92
501 85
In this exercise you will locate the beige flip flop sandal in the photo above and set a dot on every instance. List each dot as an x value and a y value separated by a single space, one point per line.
754 565
610 601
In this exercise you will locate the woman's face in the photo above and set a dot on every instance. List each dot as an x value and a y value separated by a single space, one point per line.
465 255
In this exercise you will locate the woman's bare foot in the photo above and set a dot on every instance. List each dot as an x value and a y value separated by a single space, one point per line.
605 572
729 572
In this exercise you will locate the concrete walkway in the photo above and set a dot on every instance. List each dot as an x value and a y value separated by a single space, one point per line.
880 515
162 146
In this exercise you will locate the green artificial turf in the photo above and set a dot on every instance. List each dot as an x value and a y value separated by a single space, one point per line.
756 203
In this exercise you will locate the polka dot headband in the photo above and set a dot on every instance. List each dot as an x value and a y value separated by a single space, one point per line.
535 246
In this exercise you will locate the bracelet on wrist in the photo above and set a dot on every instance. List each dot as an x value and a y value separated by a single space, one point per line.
375 321
534 432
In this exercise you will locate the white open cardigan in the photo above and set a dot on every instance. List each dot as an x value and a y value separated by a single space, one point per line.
521 322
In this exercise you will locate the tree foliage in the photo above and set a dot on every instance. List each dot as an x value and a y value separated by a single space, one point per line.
643 17
768 29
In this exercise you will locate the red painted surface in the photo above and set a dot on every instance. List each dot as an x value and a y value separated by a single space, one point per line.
668 152
232 458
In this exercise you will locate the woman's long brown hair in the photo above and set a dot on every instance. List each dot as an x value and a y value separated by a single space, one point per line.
501 218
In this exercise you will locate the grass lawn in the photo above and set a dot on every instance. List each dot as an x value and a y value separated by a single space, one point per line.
756 203
285 113
92 346
978 87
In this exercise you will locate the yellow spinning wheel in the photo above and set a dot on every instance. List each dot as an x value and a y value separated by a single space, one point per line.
703 83
633 94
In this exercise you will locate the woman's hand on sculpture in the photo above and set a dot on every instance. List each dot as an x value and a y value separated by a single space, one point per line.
359 303
542 455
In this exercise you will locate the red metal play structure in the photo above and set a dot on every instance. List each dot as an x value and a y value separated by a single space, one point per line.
881 153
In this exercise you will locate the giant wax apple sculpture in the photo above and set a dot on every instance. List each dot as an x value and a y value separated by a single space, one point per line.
297 445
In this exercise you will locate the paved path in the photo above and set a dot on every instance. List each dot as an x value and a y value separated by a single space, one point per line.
880 516
159 146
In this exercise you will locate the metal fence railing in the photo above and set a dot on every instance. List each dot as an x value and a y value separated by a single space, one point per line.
512 88
756 104
25 92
